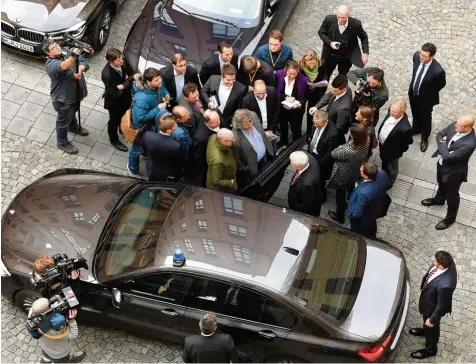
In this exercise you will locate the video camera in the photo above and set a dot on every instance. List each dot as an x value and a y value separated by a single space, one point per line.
363 86
74 43
59 273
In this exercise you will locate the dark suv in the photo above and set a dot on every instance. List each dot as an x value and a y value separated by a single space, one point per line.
25 24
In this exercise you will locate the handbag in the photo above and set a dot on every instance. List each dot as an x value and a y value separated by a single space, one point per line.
127 128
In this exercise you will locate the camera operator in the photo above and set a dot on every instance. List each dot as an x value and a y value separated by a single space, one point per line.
64 91
371 90
55 333
44 262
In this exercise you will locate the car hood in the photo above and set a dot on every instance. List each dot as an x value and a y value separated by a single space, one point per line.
63 212
160 32
379 294
47 15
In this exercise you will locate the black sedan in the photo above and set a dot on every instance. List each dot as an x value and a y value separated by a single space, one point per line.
195 28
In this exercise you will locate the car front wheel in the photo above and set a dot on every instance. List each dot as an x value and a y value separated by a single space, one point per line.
101 29
25 298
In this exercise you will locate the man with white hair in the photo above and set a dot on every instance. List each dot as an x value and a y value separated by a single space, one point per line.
339 34
394 136
305 187
221 174
456 143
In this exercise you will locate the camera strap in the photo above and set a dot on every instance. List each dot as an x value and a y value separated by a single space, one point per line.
55 337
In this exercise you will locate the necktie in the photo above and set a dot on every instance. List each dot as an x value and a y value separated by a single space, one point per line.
198 107
315 139
295 177
416 86
431 273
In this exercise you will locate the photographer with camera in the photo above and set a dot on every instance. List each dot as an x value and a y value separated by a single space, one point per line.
370 91
64 91
54 330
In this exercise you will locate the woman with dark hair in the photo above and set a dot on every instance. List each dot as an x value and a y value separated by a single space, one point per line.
291 86
310 67
365 116
348 159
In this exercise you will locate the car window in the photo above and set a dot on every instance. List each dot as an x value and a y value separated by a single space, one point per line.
168 287
219 297
133 236
277 315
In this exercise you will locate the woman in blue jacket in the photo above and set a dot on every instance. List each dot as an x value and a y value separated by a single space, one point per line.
149 104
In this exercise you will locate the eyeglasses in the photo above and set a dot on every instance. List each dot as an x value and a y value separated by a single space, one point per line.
308 57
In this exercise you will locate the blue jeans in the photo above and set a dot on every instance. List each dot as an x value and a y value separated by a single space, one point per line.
66 118
134 157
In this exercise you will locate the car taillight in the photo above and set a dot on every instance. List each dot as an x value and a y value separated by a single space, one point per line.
375 352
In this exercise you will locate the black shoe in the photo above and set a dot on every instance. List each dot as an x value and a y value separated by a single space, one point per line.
119 146
416 331
333 216
77 356
424 145
431 202
444 224
422 354
415 131
68 148
80 131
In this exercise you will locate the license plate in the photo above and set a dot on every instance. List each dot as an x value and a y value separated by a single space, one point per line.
21 46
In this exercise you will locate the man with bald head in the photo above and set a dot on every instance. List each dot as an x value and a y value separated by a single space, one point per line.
456 143
394 136
222 168
264 101
181 133
339 34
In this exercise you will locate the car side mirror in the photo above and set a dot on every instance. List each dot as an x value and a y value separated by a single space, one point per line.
116 297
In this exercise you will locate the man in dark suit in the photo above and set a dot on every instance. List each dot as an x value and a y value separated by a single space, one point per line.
214 64
339 106
166 158
305 188
456 143
366 203
394 136
324 139
191 101
264 101
224 94
209 347
253 69
437 287
176 75
428 78
117 78
205 130
339 34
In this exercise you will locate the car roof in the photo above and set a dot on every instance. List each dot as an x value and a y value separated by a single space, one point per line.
234 236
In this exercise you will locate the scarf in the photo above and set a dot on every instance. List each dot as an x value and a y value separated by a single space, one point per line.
311 74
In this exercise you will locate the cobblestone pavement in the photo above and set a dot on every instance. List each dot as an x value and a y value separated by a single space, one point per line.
396 30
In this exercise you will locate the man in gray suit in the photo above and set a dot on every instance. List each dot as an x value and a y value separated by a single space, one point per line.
191 101
456 143
252 147
339 106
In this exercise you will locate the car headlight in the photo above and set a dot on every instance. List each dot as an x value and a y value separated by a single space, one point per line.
76 31
3 270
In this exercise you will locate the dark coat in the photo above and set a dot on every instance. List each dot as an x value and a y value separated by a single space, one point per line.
432 83
272 106
166 158
113 97
397 141
264 72
329 32
196 118
456 157
212 67
328 141
366 203
305 193
167 74
199 147
301 84
217 348
339 111
436 298
234 100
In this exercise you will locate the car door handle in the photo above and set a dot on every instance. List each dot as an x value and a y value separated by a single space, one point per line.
169 312
267 334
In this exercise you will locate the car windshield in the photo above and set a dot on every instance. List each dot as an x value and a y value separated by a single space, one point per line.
132 239
243 14
329 276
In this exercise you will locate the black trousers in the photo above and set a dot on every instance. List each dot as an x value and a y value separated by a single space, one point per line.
432 336
333 61
369 230
114 123
290 118
421 116
341 201
448 192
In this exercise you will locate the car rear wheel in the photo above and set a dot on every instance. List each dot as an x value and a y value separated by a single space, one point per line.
284 359
25 298
101 30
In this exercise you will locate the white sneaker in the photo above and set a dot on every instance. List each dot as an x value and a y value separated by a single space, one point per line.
132 174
